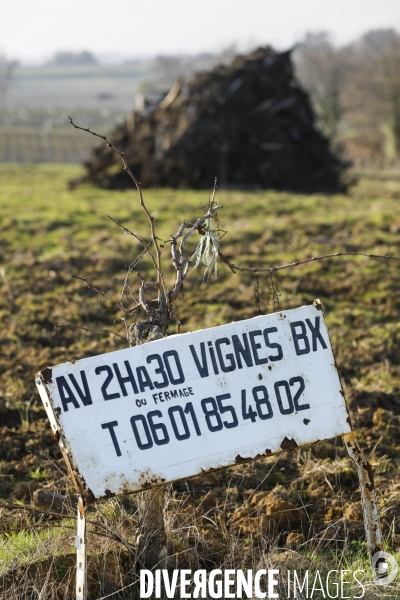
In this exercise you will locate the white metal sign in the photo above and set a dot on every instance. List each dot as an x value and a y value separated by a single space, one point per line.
175 407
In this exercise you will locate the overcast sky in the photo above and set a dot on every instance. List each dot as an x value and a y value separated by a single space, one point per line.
35 29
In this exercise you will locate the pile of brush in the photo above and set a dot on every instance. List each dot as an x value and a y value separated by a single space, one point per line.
248 123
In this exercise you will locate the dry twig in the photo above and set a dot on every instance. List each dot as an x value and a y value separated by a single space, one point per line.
91 287
297 263
90 329
141 202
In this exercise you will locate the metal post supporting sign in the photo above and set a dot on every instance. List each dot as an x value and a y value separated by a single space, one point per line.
175 407
81 565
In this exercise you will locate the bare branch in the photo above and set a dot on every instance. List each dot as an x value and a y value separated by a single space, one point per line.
226 261
90 330
36 510
162 289
256 290
128 287
115 533
297 263
120 154
142 289
135 235
90 286
124 286
212 197
138 237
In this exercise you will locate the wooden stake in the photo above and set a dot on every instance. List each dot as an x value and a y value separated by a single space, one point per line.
368 495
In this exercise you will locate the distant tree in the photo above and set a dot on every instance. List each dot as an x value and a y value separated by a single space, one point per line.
172 67
377 62
319 68
7 68
73 59
355 92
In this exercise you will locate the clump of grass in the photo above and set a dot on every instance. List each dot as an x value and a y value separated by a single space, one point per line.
23 548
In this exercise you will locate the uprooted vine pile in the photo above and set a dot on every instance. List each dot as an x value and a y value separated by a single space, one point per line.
249 123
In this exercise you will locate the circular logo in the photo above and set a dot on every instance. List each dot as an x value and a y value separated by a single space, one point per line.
385 568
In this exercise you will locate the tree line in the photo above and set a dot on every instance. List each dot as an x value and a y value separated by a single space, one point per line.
355 91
